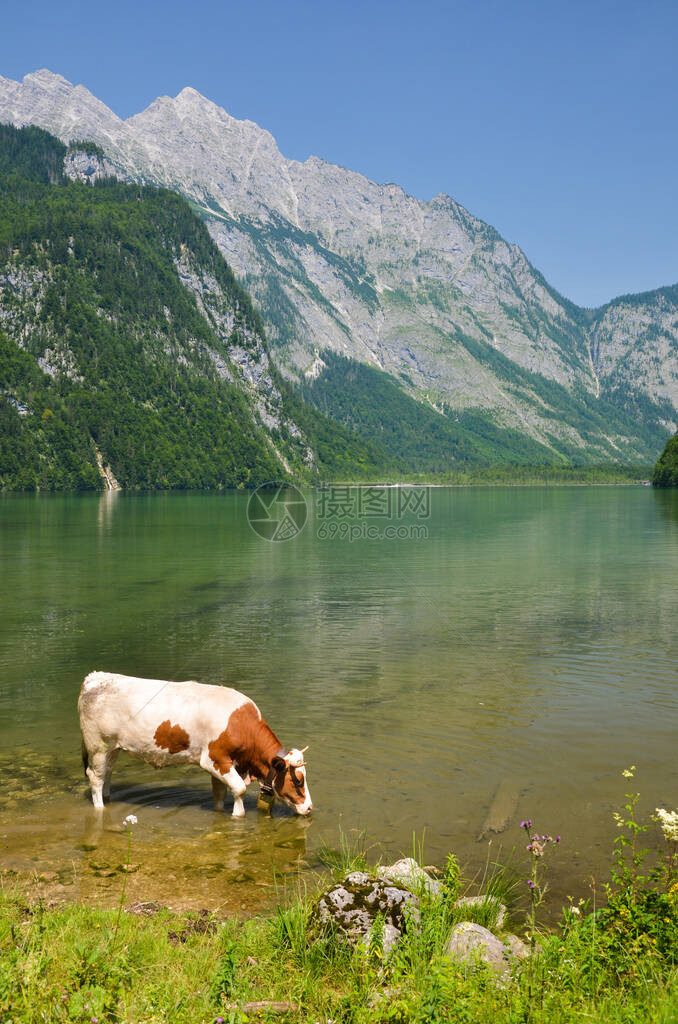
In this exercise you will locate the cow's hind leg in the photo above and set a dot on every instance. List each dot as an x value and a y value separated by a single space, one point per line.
111 758
219 793
98 773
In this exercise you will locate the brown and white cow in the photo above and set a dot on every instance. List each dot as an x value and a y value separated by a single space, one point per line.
186 723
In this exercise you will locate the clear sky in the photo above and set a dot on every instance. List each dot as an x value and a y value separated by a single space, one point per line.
555 122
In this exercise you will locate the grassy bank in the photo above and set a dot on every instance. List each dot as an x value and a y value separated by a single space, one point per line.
73 963
615 963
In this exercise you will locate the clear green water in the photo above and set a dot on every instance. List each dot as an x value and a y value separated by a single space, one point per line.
530 637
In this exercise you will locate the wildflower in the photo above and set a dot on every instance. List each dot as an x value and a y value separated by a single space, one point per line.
531 884
618 819
130 820
526 824
557 839
576 910
673 891
628 772
668 822
220 1020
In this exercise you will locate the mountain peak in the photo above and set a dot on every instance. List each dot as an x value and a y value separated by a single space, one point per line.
45 77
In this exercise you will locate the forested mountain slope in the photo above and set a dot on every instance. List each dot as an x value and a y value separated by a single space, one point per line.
423 291
666 471
123 331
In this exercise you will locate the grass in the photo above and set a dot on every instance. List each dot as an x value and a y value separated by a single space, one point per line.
617 964
57 965
68 963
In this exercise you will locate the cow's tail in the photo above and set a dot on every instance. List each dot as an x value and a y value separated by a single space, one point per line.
85 757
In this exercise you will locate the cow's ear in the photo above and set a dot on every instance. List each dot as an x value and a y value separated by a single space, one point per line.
279 763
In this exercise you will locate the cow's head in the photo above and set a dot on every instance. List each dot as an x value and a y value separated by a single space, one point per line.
289 780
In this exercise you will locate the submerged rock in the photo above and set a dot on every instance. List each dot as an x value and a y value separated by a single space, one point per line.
353 905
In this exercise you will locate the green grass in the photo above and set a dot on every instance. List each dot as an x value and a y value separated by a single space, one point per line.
61 964
76 963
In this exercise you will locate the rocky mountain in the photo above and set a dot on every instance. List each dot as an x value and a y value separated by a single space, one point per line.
422 291
129 355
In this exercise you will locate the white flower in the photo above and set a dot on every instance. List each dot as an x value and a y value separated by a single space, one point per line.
668 823
130 820
628 772
576 910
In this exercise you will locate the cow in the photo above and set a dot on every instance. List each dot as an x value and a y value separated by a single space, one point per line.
164 723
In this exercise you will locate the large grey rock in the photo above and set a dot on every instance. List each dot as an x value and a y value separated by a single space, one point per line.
517 948
472 944
407 872
353 904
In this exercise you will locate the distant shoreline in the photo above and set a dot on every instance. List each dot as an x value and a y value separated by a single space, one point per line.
530 476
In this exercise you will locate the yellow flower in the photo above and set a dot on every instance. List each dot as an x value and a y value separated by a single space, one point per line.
628 772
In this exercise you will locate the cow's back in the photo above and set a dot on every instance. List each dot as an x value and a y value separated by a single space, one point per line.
153 718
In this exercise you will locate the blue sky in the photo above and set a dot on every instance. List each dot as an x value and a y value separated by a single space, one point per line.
556 123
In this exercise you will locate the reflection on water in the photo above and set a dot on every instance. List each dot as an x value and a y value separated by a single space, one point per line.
531 637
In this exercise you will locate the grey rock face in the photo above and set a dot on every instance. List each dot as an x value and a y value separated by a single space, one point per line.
337 261
86 167
352 907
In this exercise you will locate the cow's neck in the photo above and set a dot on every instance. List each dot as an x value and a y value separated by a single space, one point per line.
266 747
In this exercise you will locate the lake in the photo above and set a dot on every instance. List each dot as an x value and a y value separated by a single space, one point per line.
430 648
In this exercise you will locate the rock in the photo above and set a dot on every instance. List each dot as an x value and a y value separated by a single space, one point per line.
352 907
407 872
87 167
471 944
478 901
519 949
147 909
502 808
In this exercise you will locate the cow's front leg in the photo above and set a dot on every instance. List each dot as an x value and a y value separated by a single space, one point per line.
232 779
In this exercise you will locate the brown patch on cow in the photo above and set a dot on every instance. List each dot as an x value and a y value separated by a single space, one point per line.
171 737
247 742
289 783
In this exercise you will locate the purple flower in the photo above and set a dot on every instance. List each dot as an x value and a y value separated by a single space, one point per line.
531 883
526 824
220 1020
557 839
